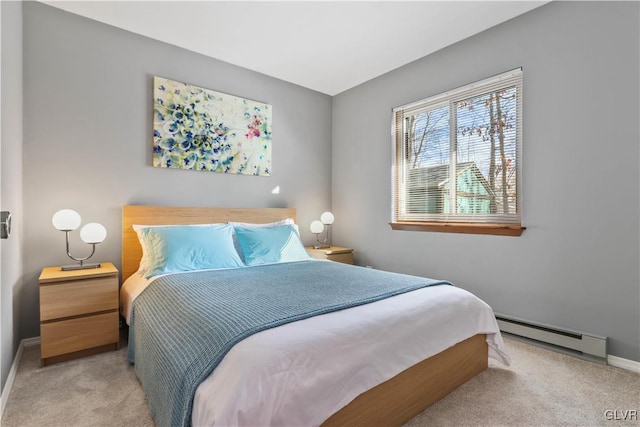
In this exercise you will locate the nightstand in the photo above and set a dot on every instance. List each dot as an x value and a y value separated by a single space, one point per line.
332 253
78 312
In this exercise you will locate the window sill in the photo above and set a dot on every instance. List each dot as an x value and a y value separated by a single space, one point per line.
464 227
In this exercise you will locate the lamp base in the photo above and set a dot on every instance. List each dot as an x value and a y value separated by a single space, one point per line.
321 247
79 266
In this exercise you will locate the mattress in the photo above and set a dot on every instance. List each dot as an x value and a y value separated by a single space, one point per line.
303 372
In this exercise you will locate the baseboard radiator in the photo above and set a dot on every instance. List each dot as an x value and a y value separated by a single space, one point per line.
587 344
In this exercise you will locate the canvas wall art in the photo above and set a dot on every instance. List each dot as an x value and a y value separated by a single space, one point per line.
201 129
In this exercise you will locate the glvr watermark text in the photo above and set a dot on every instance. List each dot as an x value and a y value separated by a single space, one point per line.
621 414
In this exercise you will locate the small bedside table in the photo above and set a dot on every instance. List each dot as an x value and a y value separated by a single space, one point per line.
78 312
332 253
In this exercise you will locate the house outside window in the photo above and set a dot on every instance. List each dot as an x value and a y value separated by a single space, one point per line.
457 159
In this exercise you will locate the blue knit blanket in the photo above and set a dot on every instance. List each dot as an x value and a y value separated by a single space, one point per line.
182 325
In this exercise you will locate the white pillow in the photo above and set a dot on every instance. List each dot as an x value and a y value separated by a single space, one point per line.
268 224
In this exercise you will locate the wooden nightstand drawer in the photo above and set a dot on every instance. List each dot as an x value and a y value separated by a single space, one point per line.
333 253
77 334
346 258
67 299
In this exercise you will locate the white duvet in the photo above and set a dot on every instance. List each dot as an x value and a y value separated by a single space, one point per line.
301 373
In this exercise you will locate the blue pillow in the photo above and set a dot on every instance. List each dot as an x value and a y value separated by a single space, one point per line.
268 245
185 248
257 225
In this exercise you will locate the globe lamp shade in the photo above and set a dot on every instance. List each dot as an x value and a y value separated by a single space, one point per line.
93 233
327 218
66 220
316 227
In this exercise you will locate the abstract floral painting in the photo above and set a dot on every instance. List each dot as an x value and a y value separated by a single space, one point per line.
201 129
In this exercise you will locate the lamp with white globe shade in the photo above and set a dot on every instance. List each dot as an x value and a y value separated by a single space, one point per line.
93 233
317 227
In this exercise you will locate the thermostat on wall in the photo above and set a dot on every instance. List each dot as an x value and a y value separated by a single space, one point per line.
5 224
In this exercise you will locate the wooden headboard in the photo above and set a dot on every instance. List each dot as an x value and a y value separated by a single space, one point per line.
160 215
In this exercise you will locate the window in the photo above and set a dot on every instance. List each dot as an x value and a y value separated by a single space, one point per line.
457 159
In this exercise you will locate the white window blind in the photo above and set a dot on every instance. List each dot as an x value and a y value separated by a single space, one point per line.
457 155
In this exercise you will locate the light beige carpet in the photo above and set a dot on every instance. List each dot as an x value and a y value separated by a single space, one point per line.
541 388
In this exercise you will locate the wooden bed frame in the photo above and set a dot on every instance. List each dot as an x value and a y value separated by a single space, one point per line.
391 403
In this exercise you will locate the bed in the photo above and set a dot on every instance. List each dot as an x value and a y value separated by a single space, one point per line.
386 384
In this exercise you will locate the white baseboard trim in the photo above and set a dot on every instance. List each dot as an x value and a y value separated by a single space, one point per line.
27 342
619 362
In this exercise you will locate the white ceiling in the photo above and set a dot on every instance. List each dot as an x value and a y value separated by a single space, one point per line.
325 46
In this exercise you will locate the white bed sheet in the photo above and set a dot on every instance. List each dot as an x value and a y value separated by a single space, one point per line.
300 373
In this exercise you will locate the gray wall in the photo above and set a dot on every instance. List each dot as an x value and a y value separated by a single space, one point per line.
576 265
88 136
11 181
